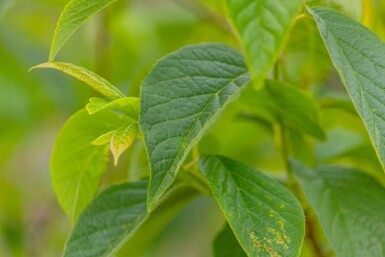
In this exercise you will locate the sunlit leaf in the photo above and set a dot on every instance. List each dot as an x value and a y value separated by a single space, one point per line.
266 218
180 98
350 206
92 79
77 165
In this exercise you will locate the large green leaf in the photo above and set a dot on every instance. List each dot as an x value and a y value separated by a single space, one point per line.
359 57
92 79
180 98
116 216
227 245
75 13
265 217
77 165
263 26
285 103
350 206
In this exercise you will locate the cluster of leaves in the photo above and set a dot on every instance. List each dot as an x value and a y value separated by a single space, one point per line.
181 97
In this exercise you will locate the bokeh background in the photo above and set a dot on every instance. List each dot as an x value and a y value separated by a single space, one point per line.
121 44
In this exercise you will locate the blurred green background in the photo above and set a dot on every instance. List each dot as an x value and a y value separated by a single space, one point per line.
122 43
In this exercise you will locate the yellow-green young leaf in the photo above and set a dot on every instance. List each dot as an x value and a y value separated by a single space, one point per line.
118 215
265 217
359 56
180 98
263 26
92 79
75 13
122 139
350 206
77 165
227 245
126 105
104 139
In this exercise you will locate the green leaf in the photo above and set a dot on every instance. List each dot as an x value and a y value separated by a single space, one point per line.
227 245
127 105
180 98
359 57
77 166
92 79
265 217
350 206
263 26
110 220
118 215
75 13
122 139
283 102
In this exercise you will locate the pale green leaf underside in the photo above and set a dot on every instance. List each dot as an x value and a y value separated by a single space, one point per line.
359 56
126 105
350 206
75 13
77 166
92 79
180 98
264 216
109 221
122 139
263 26
227 245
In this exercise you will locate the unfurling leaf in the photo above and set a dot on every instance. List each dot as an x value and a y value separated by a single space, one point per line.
122 139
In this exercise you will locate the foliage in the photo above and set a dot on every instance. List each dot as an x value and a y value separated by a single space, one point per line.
252 122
